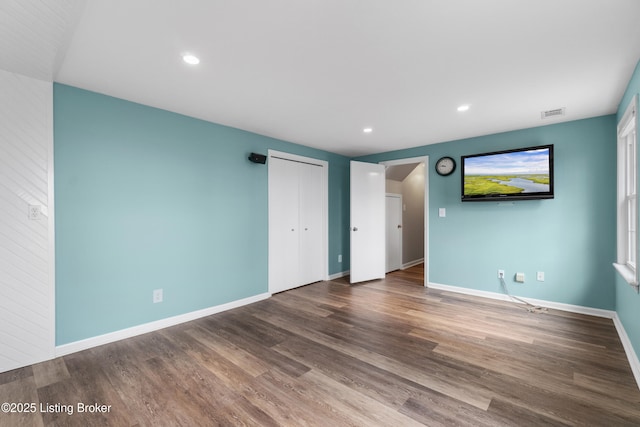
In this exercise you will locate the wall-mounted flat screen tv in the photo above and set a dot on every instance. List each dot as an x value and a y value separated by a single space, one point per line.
520 174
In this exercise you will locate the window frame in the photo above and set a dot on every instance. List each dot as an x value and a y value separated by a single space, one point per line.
627 199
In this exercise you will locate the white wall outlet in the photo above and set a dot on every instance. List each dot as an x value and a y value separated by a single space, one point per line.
442 212
520 277
500 274
157 296
34 212
540 276
340 258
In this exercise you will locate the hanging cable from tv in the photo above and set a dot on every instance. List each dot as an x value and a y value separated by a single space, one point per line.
529 307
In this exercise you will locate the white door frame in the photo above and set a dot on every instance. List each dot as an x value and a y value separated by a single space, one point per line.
425 160
325 204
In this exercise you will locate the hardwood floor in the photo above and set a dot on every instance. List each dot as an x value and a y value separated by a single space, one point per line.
382 353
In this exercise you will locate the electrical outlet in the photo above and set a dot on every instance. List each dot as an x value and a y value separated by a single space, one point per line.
500 274
540 276
34 212
340 258
157 296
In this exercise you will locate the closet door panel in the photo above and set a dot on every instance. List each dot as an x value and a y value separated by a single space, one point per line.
311 221
284 233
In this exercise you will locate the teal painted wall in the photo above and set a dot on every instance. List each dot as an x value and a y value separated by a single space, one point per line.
571 238
627 300
149 199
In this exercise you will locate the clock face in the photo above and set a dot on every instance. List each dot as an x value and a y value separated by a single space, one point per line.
445 166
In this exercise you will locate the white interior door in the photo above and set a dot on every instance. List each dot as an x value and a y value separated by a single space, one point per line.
394 231
367 203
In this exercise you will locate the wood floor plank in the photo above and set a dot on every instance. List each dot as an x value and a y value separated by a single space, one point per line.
196 395
513 415
274 359
16 374
558 399
310 408
367 379
227 373
474 326
251 364
361 409
50 372
302 304
605 387
86 384
20 391
146 398
524 366
450 381
427 413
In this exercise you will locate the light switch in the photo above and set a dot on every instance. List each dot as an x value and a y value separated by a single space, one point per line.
442 212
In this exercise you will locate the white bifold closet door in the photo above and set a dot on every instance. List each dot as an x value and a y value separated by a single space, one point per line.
295 224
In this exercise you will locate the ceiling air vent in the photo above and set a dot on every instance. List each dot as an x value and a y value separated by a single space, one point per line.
552 113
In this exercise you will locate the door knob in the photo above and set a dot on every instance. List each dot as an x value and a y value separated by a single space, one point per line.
399 225
355 228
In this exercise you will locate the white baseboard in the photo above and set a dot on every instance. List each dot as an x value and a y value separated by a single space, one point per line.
628 349
339 275
412 263
608 314
63 350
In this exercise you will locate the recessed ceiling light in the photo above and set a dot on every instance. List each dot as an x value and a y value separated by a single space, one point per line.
367 130
463 107
191 59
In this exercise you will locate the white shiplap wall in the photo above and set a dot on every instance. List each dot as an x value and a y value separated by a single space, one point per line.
26 245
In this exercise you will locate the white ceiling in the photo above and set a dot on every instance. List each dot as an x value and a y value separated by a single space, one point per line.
316 72
34 35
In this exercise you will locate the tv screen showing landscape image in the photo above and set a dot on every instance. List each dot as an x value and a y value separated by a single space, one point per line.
520 174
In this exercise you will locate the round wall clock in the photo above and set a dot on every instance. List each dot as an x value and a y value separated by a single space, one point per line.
445 166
